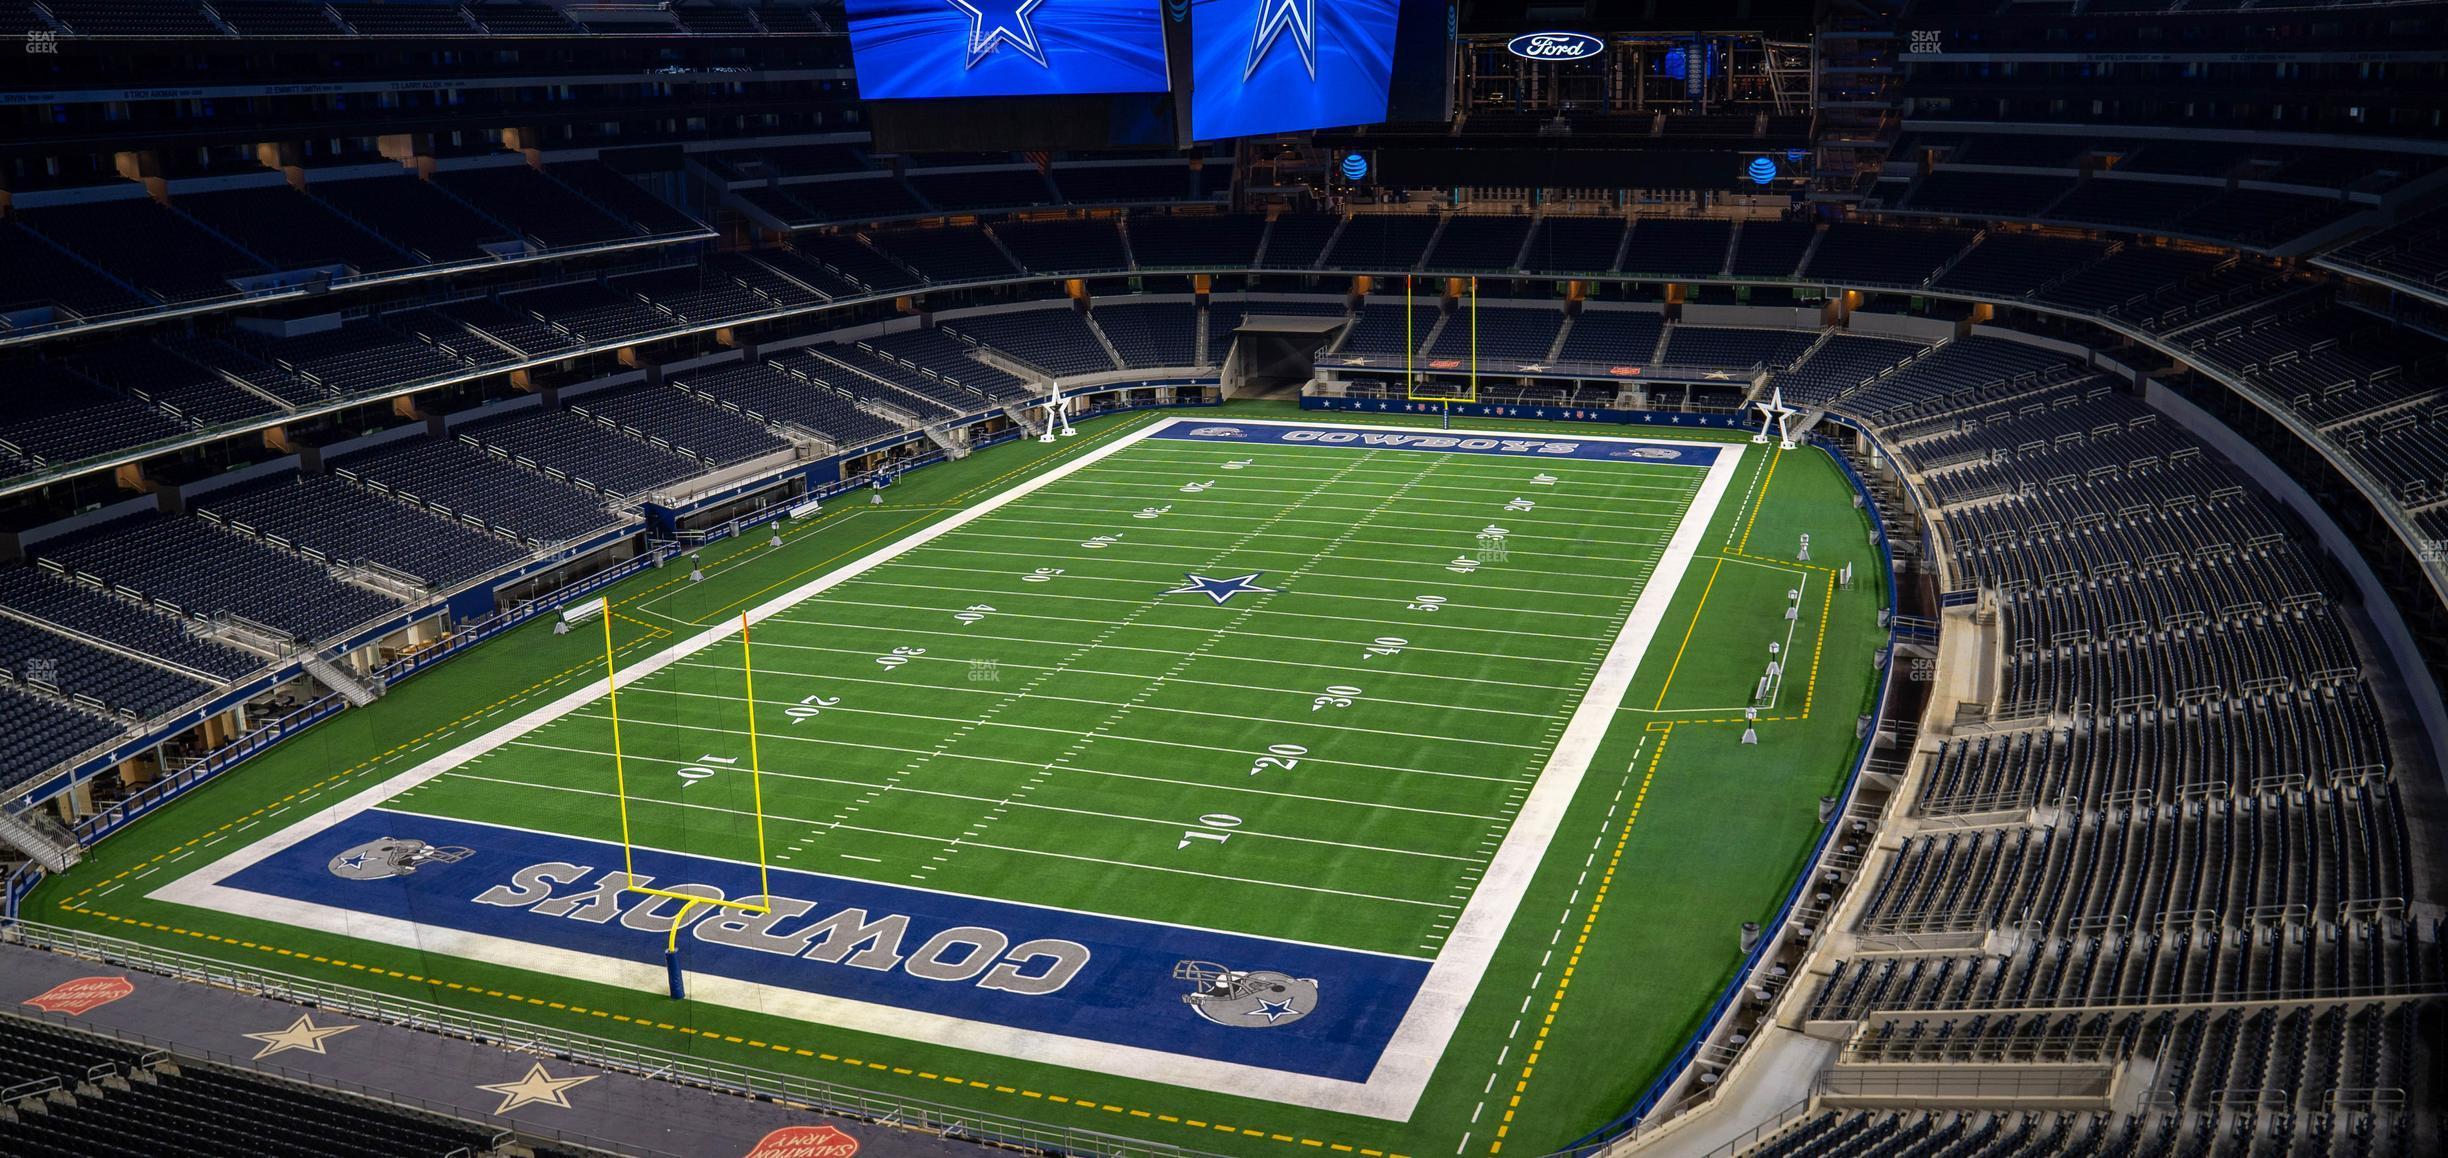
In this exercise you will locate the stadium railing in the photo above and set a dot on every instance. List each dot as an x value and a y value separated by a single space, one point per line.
588 1049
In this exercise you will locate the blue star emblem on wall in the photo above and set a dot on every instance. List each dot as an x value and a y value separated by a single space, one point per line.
1277 17
1221 589
994 23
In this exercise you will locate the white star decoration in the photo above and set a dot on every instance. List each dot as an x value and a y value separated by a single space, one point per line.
1013 30
536 1087
302 1035
1299 17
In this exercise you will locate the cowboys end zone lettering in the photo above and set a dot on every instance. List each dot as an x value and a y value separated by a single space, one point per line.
1622 450
1279 1005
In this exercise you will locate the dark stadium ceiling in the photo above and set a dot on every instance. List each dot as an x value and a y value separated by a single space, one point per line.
1784 18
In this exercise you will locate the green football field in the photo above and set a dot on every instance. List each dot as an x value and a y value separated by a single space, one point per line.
1331 699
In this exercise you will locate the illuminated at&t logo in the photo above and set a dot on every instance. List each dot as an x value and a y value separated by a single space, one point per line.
1355 166
1555 46
1761 170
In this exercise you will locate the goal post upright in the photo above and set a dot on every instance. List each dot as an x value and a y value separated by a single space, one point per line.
690 903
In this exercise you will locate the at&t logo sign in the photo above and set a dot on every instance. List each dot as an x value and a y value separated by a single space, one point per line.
1355 167
1555 46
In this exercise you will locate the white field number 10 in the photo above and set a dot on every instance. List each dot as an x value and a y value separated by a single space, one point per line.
1216 828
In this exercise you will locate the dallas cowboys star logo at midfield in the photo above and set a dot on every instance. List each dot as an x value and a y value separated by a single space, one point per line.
1221 589
1277 17
1008 24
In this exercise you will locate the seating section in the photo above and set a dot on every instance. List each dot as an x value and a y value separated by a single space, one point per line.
1614 337
1299 241
946 357
948 255
1841 364
567 447
1024 188
57 417
2180 791
1859 252
1735 348
1057 341
39 730
1089 244
1770 248
193 568
1479 242
52 599
1574 244
1382 241
330 520
1505 333
1112 184
464 482
96 676
1151 334
2414 250
1379 330
1189 241
769 394
120 1100
536 204
1664 245
148 245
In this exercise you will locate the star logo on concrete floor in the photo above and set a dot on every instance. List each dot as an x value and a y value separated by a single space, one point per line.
303 1035
537 1088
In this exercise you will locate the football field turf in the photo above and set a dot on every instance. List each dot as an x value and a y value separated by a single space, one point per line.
1205 770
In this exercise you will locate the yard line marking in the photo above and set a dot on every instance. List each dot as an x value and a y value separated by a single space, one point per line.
1478 582
1070 576
1159 821
1241 754
1300 693
1158 603
1118 551
1356 643
887 713
1255 880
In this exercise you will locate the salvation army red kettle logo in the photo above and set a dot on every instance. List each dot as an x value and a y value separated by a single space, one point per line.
805 1142
81 996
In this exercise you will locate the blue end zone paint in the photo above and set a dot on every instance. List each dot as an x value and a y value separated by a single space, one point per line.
1520 446
1125 994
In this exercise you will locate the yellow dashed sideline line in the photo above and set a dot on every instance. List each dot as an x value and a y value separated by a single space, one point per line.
1589 923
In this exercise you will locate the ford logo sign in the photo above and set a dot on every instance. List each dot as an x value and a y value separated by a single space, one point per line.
1555 46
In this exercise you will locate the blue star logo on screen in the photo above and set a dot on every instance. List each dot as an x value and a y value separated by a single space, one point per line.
1266 66
1276 18
995 23
938 49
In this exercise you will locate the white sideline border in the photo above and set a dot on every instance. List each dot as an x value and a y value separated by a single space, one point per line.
1393 1089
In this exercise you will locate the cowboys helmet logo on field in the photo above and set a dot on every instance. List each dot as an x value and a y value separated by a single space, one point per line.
1219 432
1248 999
1647 452
393 857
